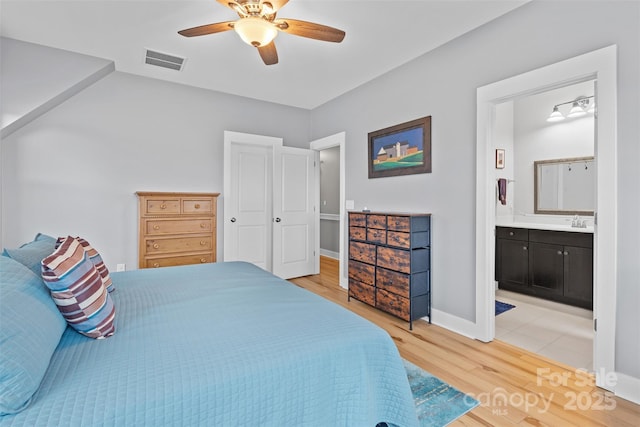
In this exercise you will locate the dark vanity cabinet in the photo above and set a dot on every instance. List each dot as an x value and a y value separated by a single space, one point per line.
512 258
554 265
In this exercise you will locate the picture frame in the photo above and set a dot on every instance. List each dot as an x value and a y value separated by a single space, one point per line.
500 158
403 149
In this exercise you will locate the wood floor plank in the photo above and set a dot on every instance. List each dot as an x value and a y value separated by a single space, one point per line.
515 387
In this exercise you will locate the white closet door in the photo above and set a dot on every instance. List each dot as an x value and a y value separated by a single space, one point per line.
248 198
295 212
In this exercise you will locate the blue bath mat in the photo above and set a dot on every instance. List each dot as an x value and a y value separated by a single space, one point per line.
501 307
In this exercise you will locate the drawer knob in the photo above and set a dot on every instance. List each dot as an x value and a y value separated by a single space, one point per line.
203 260
156 246
197 206
203 225
202 243
163 206
511 233
156 265
156 227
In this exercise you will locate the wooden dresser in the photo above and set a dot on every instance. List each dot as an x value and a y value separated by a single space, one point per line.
176 228
390 262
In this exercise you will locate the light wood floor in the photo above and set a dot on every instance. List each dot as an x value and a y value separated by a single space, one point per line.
514 387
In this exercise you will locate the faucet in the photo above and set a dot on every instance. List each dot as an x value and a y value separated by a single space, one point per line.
577 223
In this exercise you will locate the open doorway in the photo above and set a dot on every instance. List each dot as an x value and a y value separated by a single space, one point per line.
332 201
543 312
599 65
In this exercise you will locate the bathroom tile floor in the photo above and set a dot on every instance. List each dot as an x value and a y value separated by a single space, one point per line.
557 331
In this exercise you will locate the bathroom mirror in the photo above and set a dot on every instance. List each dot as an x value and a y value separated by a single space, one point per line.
565 186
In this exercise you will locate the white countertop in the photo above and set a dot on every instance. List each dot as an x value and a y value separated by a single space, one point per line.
539 226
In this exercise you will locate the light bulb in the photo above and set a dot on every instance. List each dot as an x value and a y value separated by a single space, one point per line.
576 110
255 31
556 115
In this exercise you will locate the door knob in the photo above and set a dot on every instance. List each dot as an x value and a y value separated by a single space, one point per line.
278 220
233 219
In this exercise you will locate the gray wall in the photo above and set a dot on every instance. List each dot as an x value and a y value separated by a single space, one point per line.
330 199
75 169
330 180
443 84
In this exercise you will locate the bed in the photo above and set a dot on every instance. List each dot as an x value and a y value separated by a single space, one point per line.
224 344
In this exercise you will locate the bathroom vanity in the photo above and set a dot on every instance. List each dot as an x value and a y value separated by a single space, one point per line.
550 264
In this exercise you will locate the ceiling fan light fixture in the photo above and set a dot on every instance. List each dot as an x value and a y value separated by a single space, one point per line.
255 31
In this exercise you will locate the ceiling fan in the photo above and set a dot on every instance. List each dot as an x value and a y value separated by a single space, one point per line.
258 26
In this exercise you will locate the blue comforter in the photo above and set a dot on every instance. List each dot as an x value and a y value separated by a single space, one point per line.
223 344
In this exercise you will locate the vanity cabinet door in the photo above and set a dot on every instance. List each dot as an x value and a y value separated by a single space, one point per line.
546 268
512 263
578 277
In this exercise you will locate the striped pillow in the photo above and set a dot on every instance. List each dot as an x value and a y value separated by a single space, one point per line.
96 259
77 289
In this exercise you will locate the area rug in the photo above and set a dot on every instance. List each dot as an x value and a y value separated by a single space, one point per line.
437 403
501 307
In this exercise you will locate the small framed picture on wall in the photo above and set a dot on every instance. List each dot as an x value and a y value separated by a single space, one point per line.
500 158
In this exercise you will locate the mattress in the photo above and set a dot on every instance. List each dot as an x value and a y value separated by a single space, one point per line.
223 344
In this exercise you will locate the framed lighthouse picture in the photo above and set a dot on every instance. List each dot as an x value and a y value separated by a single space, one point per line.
403 149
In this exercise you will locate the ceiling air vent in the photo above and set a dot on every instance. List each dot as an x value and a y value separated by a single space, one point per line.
164 60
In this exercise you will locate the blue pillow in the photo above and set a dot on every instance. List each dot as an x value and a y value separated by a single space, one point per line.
30 329
32 253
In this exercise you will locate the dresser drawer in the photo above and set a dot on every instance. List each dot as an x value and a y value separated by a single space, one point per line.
178 260
162 206
364 252
178 244
358 233
361 272
377 221
399 223
393 281
171 226
399 239
512 233
417 239
197 206
394 259
362 292
392 303
375 235
357 219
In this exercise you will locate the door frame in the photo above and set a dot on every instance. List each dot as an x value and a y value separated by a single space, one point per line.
600 65
336 140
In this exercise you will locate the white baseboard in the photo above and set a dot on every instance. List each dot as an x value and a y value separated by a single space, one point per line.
628 388
453 323
330 254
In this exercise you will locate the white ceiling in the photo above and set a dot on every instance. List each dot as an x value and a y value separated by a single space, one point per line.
381 35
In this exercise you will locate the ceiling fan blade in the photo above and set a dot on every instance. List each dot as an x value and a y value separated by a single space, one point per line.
203 30
269 54
310 30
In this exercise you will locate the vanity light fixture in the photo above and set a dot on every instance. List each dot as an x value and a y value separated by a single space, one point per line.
579 107
556 115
